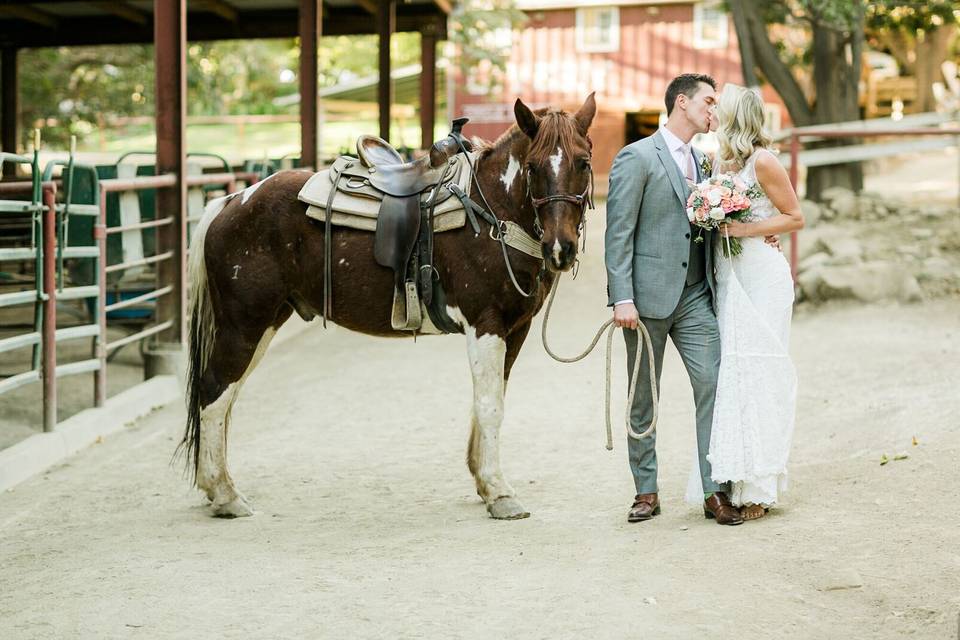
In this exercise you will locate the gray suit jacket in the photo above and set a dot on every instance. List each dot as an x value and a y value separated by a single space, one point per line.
648 234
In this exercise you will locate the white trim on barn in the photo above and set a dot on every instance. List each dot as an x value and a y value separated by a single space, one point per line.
711 29
598 29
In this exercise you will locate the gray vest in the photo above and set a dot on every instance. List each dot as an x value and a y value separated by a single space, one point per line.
696 263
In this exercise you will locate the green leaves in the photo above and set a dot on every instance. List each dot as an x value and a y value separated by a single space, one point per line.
483 30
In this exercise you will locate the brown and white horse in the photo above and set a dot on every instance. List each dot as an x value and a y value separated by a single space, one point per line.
257 258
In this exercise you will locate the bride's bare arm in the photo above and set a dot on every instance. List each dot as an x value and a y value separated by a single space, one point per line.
775 183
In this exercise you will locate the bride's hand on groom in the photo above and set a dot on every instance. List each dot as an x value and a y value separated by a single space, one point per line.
625 315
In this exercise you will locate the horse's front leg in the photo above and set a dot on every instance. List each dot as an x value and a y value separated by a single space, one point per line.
490 355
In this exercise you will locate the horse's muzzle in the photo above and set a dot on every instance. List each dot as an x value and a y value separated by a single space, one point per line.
559 256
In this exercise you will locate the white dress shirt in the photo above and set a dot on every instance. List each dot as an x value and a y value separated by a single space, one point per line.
679 151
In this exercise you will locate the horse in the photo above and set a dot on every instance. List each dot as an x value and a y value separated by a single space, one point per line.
256 258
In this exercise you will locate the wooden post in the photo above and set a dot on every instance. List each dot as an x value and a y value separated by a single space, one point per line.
386 24
170 44
428 85
8 106
311 12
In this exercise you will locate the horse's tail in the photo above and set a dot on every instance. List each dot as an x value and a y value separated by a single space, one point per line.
202 330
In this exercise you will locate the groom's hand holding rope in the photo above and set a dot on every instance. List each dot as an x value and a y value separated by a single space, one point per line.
625 315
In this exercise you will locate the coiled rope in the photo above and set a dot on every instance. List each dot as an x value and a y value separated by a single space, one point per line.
608 326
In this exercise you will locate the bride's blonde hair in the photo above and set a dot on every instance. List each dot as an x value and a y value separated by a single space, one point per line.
740 128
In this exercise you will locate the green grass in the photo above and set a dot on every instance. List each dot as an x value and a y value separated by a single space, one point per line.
254 141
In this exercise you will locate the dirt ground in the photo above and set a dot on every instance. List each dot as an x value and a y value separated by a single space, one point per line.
367 526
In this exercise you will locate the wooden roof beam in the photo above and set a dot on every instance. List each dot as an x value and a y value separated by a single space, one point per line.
370 6
222 8
123 10
30 15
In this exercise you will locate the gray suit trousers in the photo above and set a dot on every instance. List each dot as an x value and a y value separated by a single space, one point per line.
693 328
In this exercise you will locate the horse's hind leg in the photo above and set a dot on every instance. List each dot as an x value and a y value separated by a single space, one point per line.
234 356
490 359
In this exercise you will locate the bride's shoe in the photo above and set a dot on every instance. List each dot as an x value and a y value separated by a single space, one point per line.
753 511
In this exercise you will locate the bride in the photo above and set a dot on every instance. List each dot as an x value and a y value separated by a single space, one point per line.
756 394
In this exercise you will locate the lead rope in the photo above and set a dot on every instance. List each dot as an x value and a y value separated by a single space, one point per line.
608 326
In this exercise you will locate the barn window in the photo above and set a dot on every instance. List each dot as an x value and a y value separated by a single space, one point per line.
709 25
598 29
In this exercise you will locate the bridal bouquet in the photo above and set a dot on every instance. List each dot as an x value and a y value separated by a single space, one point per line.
716 200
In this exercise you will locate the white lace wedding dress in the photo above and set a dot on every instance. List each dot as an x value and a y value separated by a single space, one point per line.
755 404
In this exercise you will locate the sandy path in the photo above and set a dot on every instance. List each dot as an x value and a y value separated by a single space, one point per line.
368 526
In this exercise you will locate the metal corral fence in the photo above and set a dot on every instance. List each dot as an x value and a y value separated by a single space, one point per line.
920 126
99 234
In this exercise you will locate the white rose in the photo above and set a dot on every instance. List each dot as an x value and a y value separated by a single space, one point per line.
691 215
716 213
714 197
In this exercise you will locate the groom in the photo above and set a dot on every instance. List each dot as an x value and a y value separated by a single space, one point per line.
657 273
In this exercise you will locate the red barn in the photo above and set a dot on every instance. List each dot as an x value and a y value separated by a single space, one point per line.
626 51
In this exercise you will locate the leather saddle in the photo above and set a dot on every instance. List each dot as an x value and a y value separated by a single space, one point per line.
403 197
401 185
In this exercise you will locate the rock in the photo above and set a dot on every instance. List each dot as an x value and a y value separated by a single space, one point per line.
938 212
811 212
846 207
867 282
813 261
832 193
936 268
910 290
912 250
842 249
845 579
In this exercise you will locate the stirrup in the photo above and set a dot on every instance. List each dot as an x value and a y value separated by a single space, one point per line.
406 315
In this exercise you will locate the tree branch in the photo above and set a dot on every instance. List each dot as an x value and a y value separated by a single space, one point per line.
747 63
777 73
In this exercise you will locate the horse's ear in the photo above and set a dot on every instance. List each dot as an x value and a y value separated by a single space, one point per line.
526 120
584 116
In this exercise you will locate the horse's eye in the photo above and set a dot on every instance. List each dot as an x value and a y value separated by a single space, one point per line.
584 163
532 169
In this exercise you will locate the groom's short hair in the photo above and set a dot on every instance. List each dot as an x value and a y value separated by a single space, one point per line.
688 84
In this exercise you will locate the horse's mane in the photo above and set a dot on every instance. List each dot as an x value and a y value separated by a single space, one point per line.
557 129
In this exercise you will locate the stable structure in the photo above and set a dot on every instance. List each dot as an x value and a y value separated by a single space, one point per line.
168 25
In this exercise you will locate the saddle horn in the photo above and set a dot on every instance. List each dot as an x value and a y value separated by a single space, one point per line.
443 150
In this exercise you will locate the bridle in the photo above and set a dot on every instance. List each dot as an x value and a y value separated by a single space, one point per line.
584 200
472 209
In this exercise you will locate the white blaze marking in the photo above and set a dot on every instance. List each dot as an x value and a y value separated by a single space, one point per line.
555 161
510 173
249 191
556 251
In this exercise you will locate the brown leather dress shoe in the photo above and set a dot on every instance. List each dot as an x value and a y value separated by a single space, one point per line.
718 507
645 506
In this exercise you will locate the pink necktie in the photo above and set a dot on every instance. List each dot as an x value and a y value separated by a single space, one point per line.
691 172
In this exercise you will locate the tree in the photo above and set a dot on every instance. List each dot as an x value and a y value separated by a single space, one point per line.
73 90
831 55
482 31
918 35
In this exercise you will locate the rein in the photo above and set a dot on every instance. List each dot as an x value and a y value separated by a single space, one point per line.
608 326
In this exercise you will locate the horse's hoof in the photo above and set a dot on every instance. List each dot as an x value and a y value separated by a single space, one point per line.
507 508
236 508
